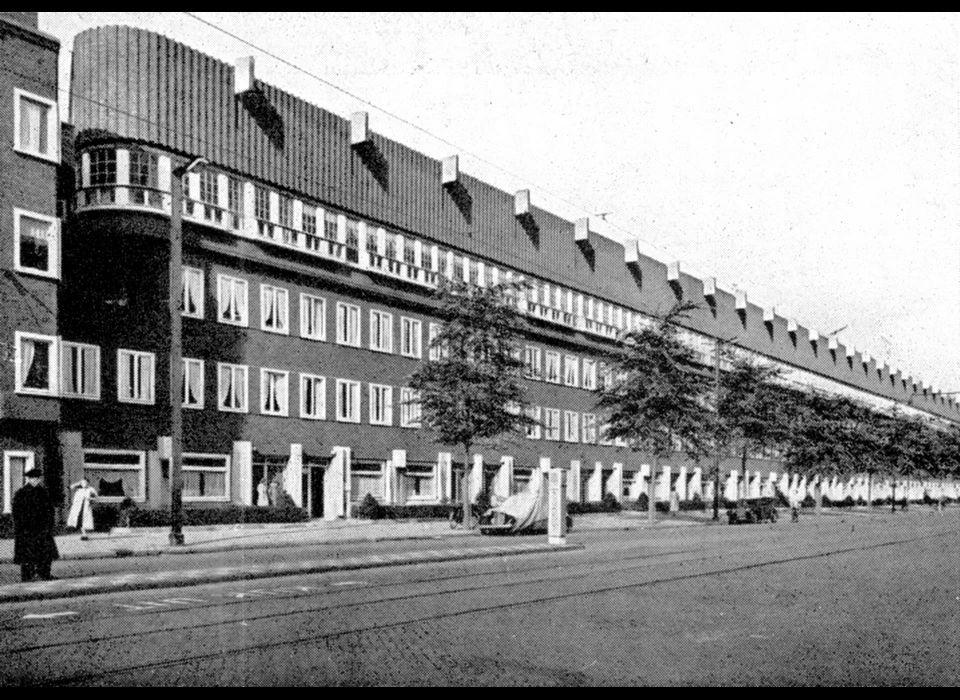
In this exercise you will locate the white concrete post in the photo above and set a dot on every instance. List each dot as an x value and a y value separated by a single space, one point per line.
682 484
293 475
595 484
476 477
557 503
336 485
616 482
504 481
123 176
243 472
573 483
444 474
397 463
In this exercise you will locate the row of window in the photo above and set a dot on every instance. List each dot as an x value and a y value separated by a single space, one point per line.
550 366
233 309
575 427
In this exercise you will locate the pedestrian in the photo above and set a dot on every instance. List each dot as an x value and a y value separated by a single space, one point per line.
274 489
262 499
81 510
34 548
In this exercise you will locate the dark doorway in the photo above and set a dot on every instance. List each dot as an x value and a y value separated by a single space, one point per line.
312 484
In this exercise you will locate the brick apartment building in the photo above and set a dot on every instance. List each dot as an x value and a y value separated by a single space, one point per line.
312 246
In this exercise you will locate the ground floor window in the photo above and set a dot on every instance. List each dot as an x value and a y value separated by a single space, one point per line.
15 464
206 477
522 476
419 482
366 478
116 474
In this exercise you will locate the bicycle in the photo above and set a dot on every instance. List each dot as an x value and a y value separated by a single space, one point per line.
456 517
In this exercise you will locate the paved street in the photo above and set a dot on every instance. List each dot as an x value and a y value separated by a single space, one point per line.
835 600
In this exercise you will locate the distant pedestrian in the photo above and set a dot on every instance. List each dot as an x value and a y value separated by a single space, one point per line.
81 510
34 548
274 489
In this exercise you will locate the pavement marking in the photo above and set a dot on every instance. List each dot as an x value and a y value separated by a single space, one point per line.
47 616
349 583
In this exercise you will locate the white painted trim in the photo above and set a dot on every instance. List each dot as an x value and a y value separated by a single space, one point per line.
7 486
53 126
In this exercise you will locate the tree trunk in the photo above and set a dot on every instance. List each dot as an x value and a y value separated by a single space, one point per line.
743 472
893 496
465 491
652 490
818 498
716 492
869 490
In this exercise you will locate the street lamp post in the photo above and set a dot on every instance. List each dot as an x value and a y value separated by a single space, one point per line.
176 348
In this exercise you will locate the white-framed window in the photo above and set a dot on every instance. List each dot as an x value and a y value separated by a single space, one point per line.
571 374
274 392
589 428
16 463
551 424
589 374
36 358
409 408
232 300
313 397
552 373
116 474
571 426
366 478
532 361
274 309
80 370
418 482
313 317
232 387
348 324
411 337
36 126
192 383
36 243
206 477
533 429
381 331
135 376
435 352
209 187
381 404
191 305
348 401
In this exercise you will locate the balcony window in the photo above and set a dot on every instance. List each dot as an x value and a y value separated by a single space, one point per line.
261 203
310 219
330 226
209 189
353 241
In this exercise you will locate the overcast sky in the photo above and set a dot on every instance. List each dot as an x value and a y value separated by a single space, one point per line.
811 160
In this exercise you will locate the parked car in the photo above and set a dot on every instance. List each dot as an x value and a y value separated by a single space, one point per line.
753 510
524 513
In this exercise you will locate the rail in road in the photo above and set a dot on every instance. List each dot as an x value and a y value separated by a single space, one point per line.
333 610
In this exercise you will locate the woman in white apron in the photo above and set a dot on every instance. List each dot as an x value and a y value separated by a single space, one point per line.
81 511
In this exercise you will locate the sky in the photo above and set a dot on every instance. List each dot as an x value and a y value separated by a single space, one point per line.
810 160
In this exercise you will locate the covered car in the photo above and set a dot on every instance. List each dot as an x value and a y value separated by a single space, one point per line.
526 512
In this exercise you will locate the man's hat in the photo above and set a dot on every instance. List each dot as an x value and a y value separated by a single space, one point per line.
33 473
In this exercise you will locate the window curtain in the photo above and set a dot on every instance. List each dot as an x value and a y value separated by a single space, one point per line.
33 126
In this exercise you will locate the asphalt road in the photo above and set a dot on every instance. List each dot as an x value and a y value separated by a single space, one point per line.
835 601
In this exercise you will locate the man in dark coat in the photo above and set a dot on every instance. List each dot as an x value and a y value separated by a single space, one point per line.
34 548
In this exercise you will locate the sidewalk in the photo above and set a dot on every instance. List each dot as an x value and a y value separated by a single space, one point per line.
127 581
142 542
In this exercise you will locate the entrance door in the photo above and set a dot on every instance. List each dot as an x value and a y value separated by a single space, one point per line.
14 466
312 484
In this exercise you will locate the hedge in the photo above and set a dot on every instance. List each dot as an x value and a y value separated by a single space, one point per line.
106 516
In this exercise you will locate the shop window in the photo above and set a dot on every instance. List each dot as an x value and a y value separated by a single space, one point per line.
206 477
116 474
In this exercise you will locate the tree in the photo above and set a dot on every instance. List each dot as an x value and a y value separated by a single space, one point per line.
471 389
749 411
659 394
905 449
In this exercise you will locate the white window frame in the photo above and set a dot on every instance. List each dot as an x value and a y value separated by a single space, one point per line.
93 395
52 126
571 370
589 374
571 426
348 324
381 331
411 337
225 470
534 429
279 299
9 455
410 409
54 233
354 388
53 363
434 353
551 424
232 368
197 365
381 401
151 376
282 392
241 316
142 469
533 362
320 396
589 426
193 290
434 482
552 360
308 305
